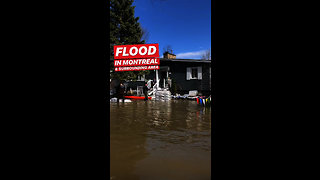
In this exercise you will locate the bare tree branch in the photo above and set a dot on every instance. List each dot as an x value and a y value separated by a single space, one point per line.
168 49
207 55
145 34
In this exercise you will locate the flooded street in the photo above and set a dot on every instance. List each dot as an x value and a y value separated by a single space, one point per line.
160 140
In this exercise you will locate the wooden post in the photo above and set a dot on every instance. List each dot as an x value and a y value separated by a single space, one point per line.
157 77
164 83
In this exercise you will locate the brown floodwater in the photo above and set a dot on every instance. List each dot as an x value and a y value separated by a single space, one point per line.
160 140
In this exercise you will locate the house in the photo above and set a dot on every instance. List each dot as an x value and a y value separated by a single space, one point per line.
188 74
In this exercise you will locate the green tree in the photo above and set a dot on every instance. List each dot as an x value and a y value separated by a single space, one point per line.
173 88
124 29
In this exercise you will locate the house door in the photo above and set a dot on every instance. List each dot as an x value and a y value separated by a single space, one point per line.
163 77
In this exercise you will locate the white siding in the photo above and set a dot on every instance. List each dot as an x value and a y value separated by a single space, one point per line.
188 73
199 72
210 77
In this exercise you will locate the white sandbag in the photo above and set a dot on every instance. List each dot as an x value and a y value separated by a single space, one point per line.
113 100
193 93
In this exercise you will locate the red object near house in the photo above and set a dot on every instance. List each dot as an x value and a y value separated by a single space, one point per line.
136 97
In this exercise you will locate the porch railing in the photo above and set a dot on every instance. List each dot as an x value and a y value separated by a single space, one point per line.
154 87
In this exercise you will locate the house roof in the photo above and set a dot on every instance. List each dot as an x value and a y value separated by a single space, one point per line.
182 60
186 60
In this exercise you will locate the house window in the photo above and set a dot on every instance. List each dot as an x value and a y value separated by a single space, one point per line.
194 73
141 78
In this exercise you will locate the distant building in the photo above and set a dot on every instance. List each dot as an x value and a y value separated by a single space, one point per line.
168 55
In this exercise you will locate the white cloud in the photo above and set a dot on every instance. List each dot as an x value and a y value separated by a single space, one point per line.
191 55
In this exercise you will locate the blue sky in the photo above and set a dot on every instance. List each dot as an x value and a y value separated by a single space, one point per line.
185 25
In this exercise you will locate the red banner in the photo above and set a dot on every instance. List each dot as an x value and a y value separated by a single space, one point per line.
136 51
137 62
136 68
